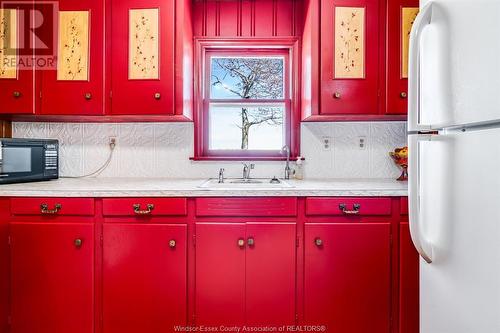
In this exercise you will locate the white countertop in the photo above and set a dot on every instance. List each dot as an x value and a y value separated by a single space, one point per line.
163 187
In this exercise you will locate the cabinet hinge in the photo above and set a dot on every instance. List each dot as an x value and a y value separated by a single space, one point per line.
297 242
390 240
101 240
110 94
9 241
296 317
194 240
40 95
9 322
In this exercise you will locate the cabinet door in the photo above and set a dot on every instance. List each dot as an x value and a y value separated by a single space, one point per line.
16 84
350 53
270 273
144 277
401 14
52 277
347 276
220 274
409 282
75 86
142 56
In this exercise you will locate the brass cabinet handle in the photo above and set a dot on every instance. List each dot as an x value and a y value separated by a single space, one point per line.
148 210
318 241
337 95
157 96
44 209
354 211
78 243
403 94
88 96
251 241
16 94
241 243
172 243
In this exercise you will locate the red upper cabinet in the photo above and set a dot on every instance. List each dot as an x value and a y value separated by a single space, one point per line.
347 276
75 85
52 277
401 14
16 82
350 52
144 277
141 58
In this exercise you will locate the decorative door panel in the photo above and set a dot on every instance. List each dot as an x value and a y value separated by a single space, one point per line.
408 282
401 15
16 81
350 53
74 86
347 276
142 57
220 274
270 273
52 277
144 277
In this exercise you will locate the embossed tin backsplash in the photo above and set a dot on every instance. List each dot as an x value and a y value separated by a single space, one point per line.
163 150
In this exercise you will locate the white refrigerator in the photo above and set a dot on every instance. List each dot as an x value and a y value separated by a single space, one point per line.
454 163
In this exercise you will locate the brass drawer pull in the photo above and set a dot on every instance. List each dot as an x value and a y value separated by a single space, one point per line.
157 96
318 241
44 209
337 95
78 243
241 243
172 243
138 211
88 96
354 211
251 241
16 94
403 95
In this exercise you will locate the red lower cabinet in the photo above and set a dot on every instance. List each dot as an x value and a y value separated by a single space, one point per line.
52 277
245 273
409 284
144 277
347 276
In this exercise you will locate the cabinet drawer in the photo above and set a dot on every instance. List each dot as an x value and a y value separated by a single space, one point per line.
348 206
52 206
246 207
144 206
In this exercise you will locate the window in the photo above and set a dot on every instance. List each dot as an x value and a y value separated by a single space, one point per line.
245 103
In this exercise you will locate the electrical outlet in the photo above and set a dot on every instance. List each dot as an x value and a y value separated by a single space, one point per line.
326 142
362 142
112 141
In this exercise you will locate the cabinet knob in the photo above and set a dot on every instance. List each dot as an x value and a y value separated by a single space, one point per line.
78 243
337 95
88 96
44 209
318 241
16 94
241 243
354 211
148 210
403 94
251 241
157 96
172 243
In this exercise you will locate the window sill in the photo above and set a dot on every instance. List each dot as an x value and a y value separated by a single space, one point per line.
241 158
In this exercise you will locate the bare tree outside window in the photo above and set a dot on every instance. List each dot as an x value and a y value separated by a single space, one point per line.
250 78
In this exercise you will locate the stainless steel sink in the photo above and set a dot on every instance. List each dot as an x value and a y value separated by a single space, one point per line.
241 183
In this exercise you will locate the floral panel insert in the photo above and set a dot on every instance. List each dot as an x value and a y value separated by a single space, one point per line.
73 46
408 15
8 44
143 44
349 42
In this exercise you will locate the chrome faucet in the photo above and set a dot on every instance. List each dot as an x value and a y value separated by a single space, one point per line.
221 175
288 170
246 170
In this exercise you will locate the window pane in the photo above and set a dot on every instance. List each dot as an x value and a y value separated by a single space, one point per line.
241 127
247 77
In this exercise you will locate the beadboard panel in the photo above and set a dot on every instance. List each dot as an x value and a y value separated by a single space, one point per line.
164 149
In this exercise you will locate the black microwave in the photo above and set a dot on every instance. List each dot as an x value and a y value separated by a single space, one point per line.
28 160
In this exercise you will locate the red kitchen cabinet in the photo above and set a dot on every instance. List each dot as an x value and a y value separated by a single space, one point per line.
347 276
16 86
409 282
400 17
75 86
144 277
245 273
52 277
142 57
350 51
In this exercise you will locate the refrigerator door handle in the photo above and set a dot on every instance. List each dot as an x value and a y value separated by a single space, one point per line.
423 246
423 19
